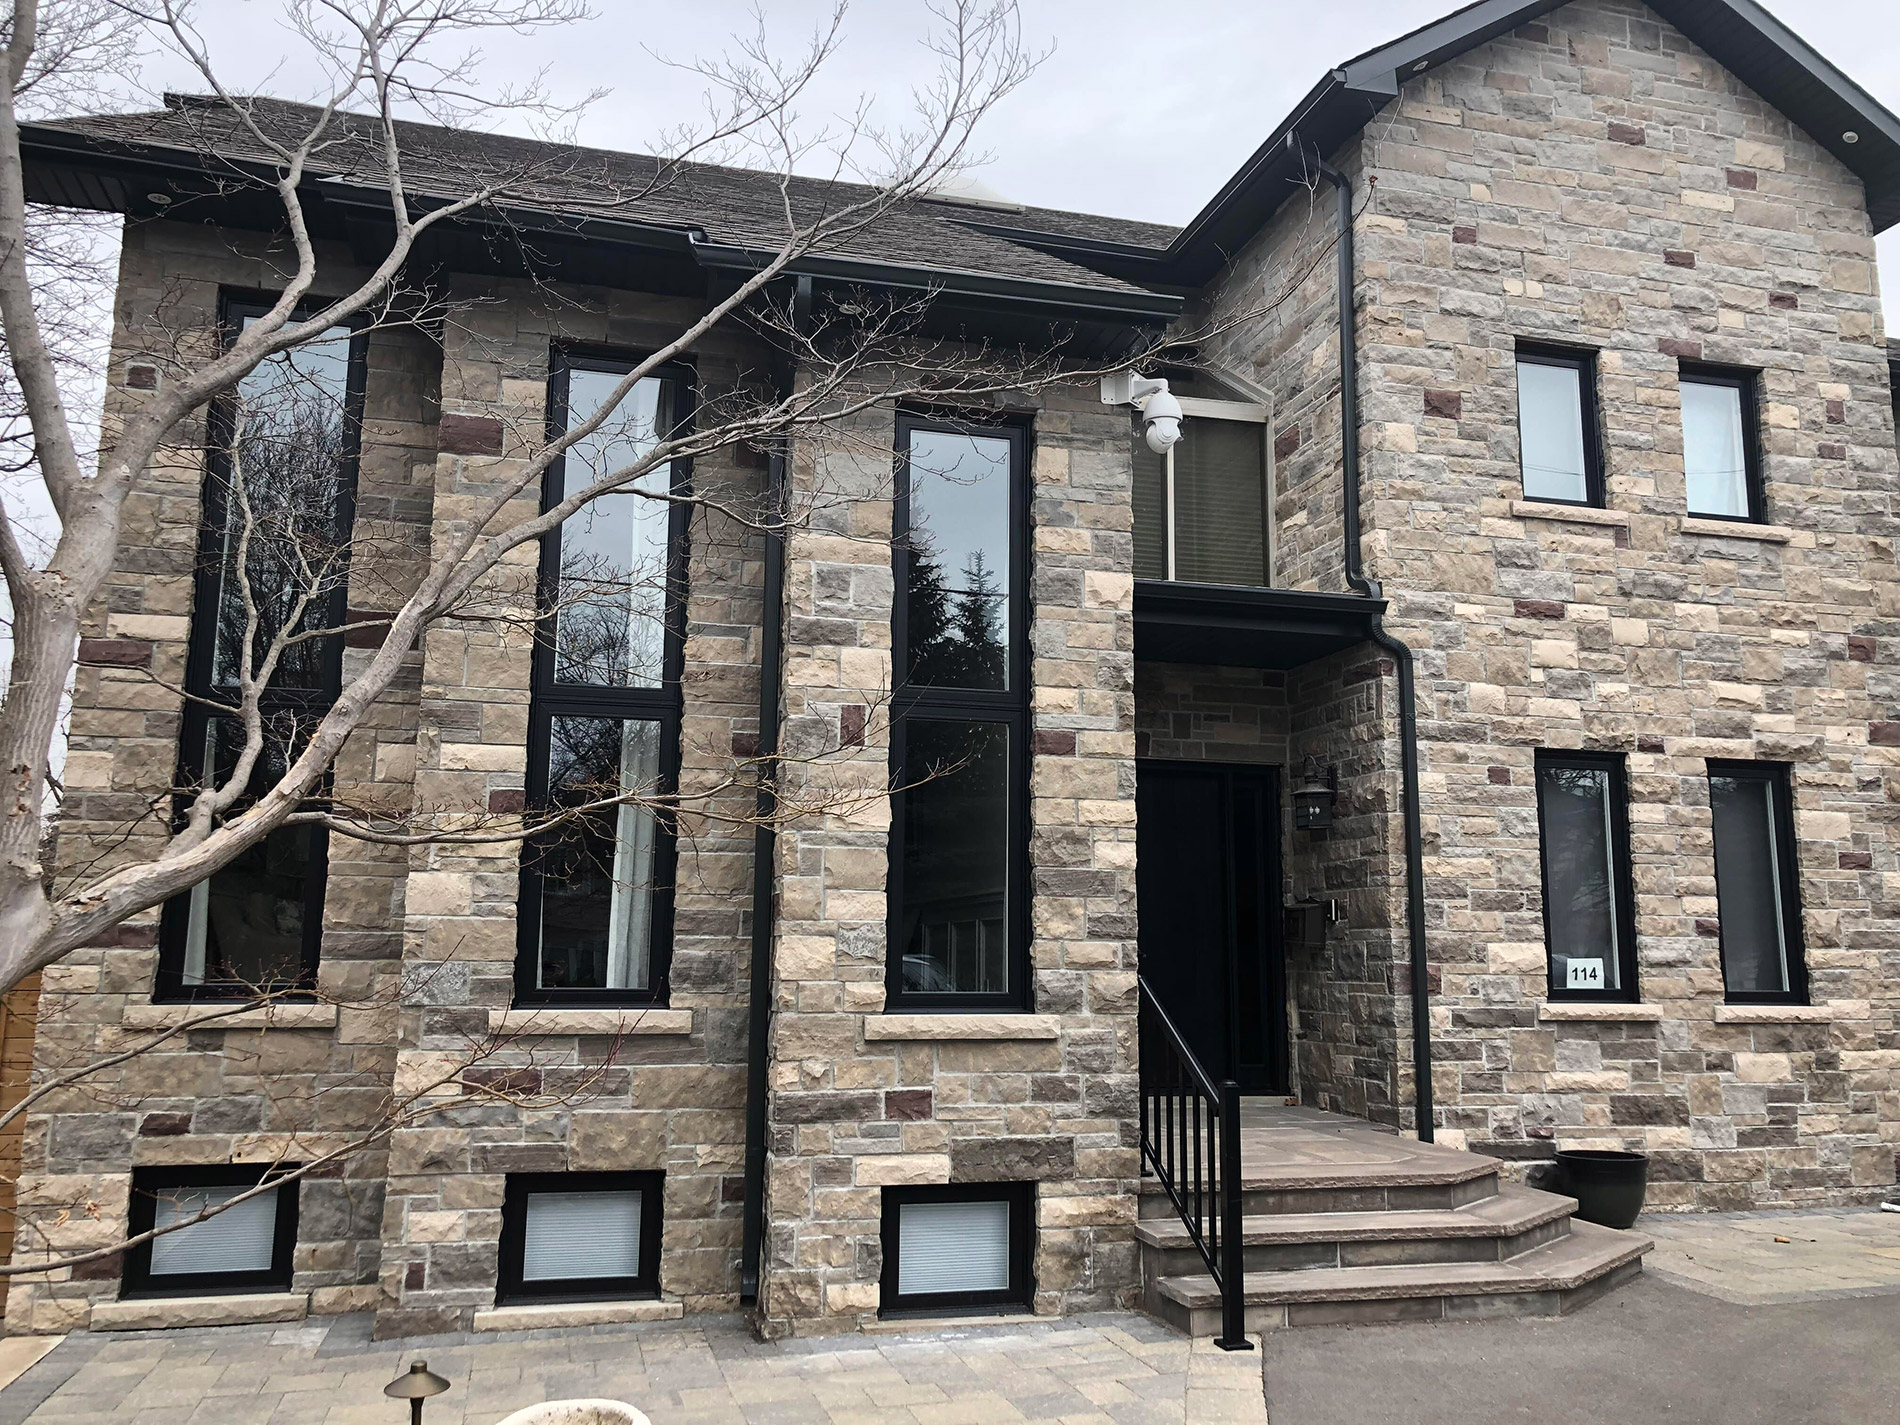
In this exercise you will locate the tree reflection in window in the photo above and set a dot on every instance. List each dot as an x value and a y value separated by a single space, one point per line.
957 560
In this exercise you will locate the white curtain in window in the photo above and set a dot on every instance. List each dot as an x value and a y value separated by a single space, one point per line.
1550 431
630 920
952 1246
581 1234
1713 454
238 1239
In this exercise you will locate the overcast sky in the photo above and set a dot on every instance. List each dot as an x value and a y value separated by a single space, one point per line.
1141 109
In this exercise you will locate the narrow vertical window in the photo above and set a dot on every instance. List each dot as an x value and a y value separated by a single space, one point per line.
1757 882
1721 455
603 731
959 835
1589 911
1557 426
273 568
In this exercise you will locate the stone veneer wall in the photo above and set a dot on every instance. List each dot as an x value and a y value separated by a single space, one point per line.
649 1098
1595 178
217 1096
860 1101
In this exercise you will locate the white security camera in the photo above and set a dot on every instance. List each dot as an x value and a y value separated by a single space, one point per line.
1160 410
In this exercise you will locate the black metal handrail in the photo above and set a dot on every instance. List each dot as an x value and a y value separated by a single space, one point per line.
1190 1141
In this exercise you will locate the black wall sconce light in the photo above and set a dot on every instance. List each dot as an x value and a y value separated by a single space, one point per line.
1315 797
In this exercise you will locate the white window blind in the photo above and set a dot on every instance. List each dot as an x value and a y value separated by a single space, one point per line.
238 1239
952 1246
581 1234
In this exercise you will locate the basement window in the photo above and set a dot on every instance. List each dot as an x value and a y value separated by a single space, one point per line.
958 1248
208 1241
580 1237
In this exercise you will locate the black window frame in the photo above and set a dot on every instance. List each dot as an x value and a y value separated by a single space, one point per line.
1007 708
512 1290
1747 380
663 705
1583 361
1019 1295
136 1281
1780 780
304 705
1621 873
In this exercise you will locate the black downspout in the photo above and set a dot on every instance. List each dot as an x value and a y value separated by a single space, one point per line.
764 839
1401 656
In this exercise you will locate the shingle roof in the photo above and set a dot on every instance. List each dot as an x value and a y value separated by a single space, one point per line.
731 207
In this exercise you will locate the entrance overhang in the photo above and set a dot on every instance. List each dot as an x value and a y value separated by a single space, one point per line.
1178 622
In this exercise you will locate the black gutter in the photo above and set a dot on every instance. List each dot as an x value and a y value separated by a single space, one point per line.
1401 656
764 835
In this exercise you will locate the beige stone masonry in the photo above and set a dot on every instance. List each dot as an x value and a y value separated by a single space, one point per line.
569 1314
1736 529
1600 1013
552 1020
962 1026
165 1312
1569 514
276 1016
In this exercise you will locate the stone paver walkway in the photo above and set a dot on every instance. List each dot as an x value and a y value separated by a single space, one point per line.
1829 1252
1119 1369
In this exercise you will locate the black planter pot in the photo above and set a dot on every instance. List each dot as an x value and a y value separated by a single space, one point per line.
1608 1186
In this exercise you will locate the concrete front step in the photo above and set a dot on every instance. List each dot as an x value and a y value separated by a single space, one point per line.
1353 1171
1516 1220
1546 1281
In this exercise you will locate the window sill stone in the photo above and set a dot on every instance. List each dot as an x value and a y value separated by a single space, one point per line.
270 1016
1774 1014
1568 514
1588 1012
549 1315
550 1020
993 1027
153 1313
1738 529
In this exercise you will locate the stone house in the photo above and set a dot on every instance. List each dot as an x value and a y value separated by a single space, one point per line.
1522 704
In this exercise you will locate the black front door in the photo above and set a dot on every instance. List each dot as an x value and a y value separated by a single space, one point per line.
1208 887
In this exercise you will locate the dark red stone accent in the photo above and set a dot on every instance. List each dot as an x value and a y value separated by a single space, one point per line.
1741 178
508 801
1649 744
469 435
141 378
1052 742
732 1189
1831 450
413 1277
1710 928
1539 608
1677 346
1466 235
1884 734
1620 537
504 1080
164 1125
115 652
1860 648
1286 442
371 635
1857 861
128 937
1500 776
1448 404
1534 34
105 1269
851 719
907 1105
1837 413
1629 134
745 744
1675 257
1787 301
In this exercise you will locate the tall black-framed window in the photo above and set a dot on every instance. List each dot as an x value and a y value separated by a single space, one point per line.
1589 896
1757 883
1721 442
596 907
958 1247
959 843
1560 449
246 1247
580 1237
278 510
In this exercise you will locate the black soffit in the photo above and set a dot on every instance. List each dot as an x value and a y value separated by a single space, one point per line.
1246 628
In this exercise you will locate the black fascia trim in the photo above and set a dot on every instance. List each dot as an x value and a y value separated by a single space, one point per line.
1780 779
1021 1197
1582 360
1622 878
663 705
510 1287
1008 708
137 1281
1747 380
